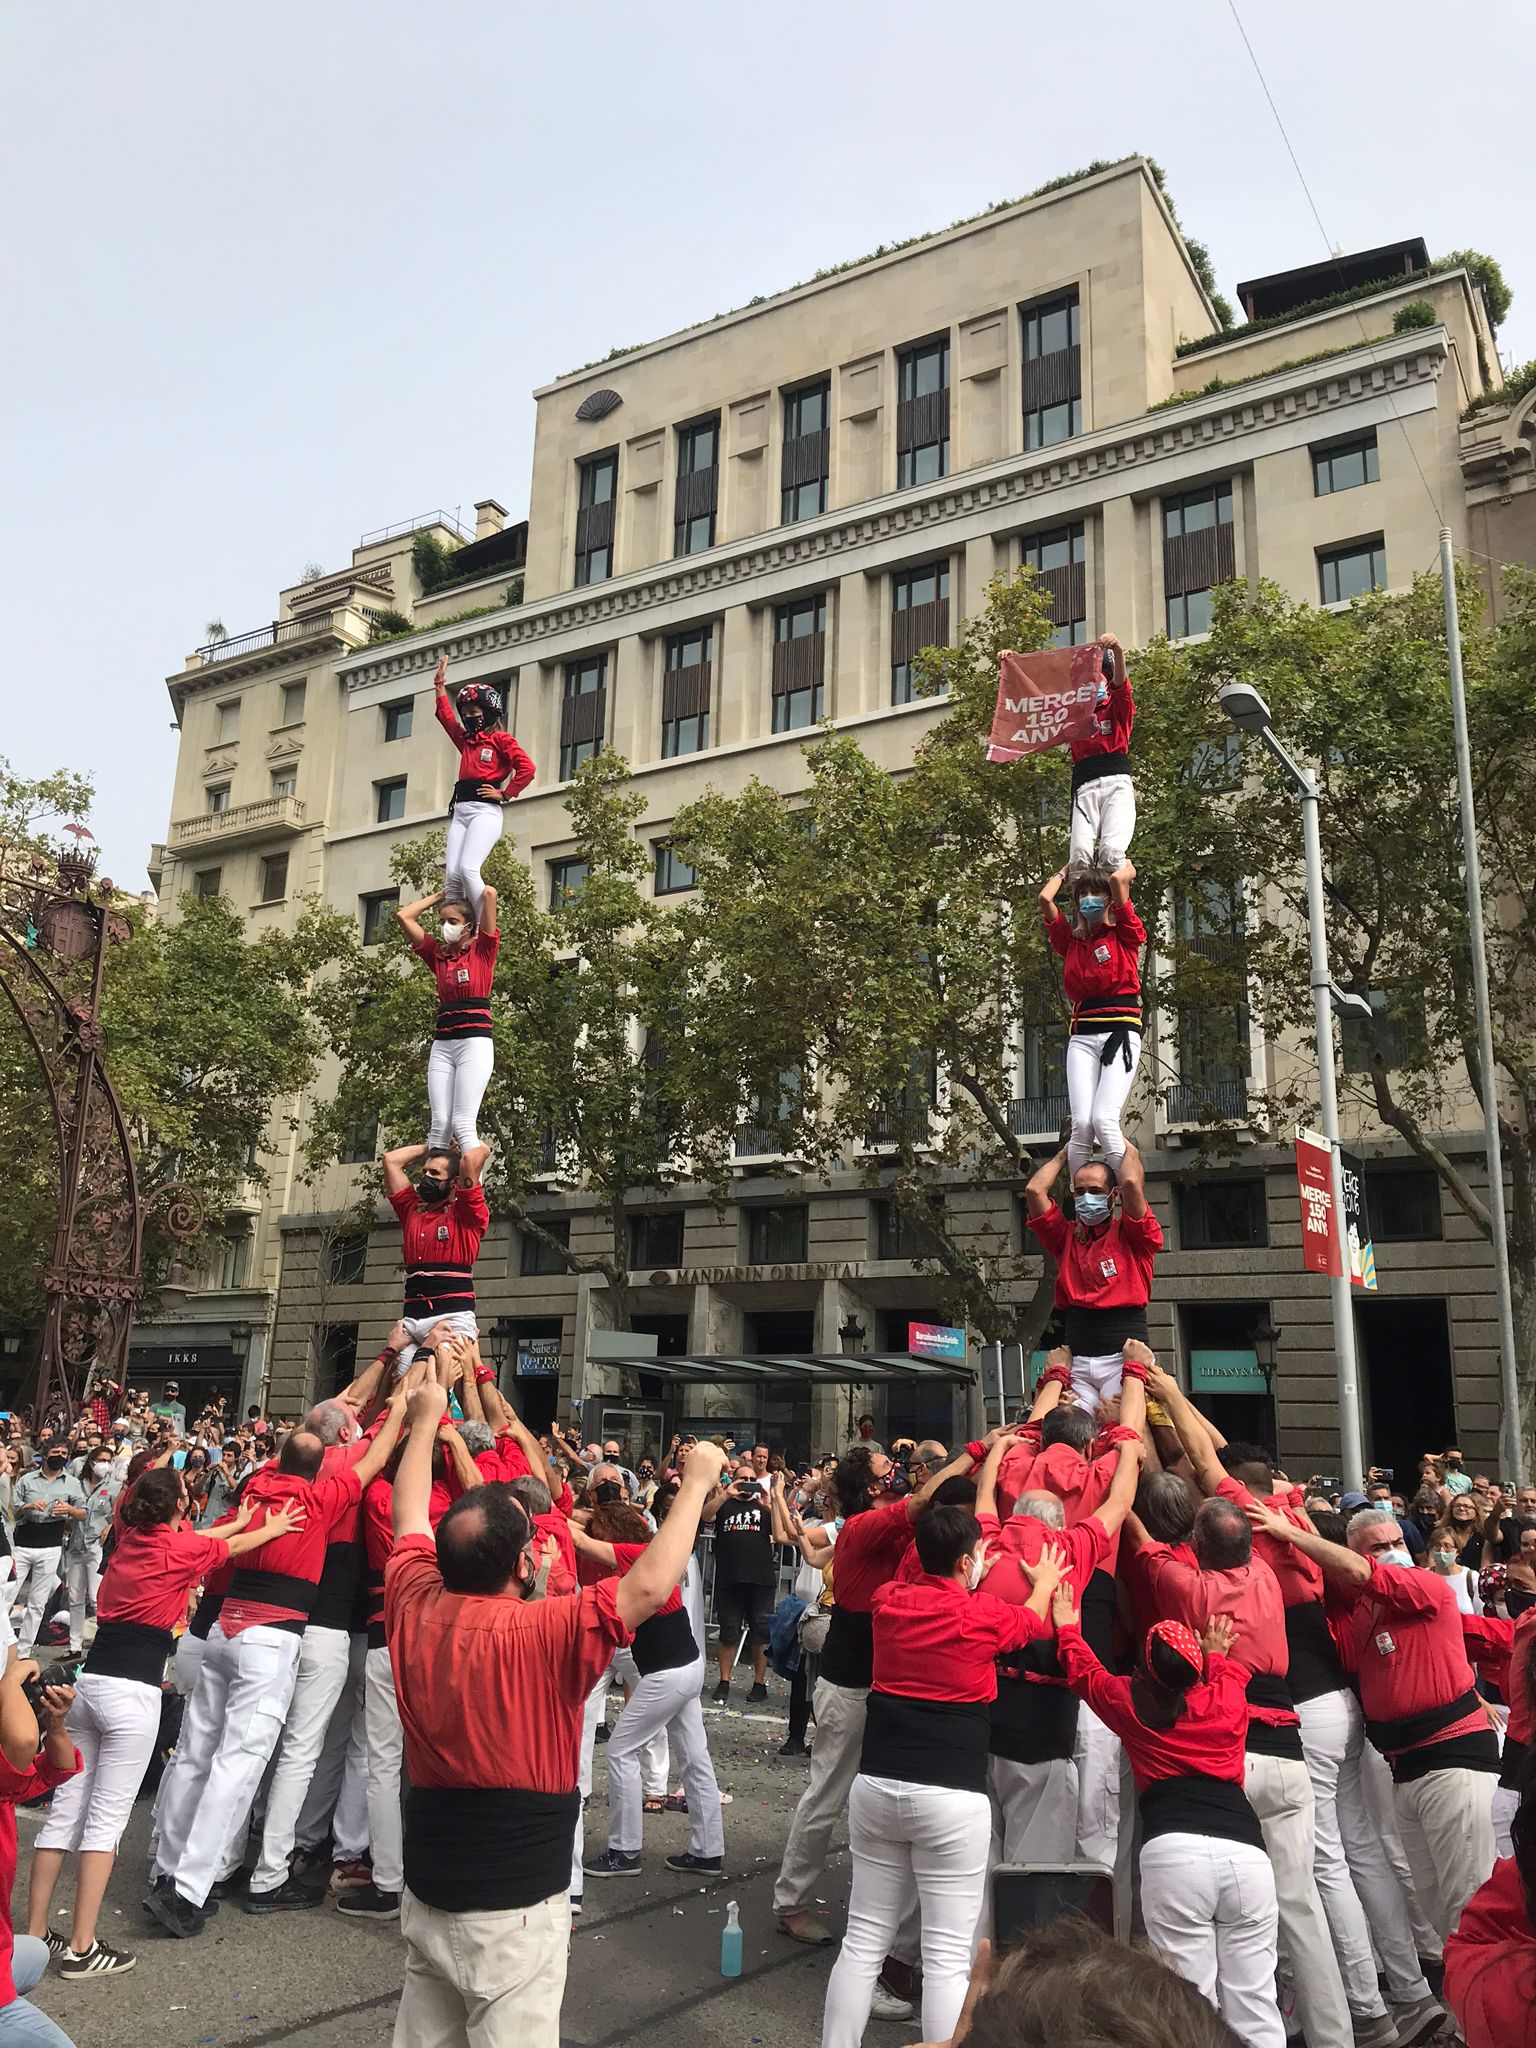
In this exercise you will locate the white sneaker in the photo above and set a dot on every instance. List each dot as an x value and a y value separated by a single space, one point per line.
887 2006
1376 2032
1418 2020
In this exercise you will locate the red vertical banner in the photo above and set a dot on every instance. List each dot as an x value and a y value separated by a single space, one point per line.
1321 1246
1044 698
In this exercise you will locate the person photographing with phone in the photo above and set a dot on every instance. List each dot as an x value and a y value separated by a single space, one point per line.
37 1755
746 1573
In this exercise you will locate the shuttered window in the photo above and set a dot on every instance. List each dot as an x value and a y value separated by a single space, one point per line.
1198 554
598 487
583 712
1059 558
1053 372
919 618
685 692
799 662
922 414
698 487
807 442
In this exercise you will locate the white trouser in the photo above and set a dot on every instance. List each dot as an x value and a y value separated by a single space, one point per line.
324 1656
483 1980
1446 1822
188 1661
1097 1753
1036 1807
82 1575
473 830
840 1712
386 1748
1506 1804
1280 1793
664 1703
1103 822
1096 1095
231 1728
113 1723
1096 1377
458 1074
1360 1891
655 1757
336 1802
1376 1783
37 1573
1210 1910
902 1833
417 1329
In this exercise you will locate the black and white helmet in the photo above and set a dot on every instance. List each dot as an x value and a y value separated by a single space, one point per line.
484 698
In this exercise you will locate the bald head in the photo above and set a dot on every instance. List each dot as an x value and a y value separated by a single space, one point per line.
301 1455
332 1421
1222 1538
1042 1507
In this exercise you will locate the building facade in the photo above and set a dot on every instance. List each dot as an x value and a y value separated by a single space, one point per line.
749 527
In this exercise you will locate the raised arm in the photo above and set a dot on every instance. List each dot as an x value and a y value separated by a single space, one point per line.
1121 1498
381 1450
1037 1190
1117 653
465 1470
396 1177
590 1546
1049 911
367 1390
409 914
1190 1424
1133 1185
488 913
447 716
649 1580
998 1447
411 1496
958 1467
1347 1566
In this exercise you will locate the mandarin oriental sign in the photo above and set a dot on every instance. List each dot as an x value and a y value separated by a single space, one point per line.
714 1276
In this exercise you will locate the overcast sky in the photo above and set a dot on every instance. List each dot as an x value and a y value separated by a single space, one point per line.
281 273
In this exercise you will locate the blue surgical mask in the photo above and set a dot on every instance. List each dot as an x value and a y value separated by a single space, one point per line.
1092 1209
1397 1555
1092 906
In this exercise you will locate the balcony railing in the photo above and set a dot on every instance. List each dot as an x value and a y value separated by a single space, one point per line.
761 1141
1195 1102
275 635
900 1123
270 815
1037 1116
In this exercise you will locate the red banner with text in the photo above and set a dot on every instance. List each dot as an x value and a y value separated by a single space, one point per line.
1321 1249
1044 699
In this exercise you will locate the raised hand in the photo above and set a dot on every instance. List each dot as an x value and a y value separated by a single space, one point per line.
442 672
427 1405
1138 1353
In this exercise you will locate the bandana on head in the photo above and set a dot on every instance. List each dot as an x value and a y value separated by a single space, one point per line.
1182 1640
1492 1581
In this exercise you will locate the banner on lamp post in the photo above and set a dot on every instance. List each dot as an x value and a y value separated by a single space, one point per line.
1043 699
1357 1225
1320 1241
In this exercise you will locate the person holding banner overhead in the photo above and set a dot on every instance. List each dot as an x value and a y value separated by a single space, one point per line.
1103 796
1100 946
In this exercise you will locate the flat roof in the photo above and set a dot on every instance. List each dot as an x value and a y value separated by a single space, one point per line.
1263 297
808 1368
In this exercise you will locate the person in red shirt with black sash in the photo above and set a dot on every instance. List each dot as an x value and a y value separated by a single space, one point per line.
443 1218
1103 795
1104 1262
1100 946
493 769
463 1056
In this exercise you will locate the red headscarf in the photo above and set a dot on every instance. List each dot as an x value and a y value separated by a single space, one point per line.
1182 1640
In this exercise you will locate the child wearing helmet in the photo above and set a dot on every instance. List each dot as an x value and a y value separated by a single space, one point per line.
1103 795
492 769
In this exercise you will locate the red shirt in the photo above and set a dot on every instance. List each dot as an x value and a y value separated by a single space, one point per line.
1112 724
1490 1962
505 1460
562 1575
14 1786
439 1243
1301 1581
151 1572
1137 1581
301 1553
1500 1650
1080 1484
869 1548
1209 1740
1248 1593
1108 1268
935 1641
1408 1654
489 756
1105 964
464 981
525 1665
1020 1540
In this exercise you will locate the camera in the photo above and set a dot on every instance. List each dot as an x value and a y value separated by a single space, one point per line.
33 1688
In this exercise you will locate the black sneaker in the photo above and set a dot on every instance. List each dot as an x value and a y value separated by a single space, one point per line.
288 1897
576 1899
56 1945
697 1866
758 1692
721 1693
228 1887
600 1732
796 1746
367 1902
613 1863
101 1959
178 1916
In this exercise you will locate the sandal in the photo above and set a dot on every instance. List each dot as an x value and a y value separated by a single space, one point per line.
652 1805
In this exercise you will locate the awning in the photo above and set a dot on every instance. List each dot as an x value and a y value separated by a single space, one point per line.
807 1368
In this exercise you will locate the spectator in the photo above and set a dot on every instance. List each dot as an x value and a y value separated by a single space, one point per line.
746 1573
26 1773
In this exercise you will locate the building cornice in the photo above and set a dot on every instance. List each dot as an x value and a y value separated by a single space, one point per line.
1107 458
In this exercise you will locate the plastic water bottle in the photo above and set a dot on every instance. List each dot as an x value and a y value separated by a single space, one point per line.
730 1942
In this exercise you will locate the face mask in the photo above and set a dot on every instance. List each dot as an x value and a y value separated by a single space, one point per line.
54 1462
99 1468
1444 1557
432 1191
1092 1209
609 1490
1397 1555
1092 907
1103 694
452 933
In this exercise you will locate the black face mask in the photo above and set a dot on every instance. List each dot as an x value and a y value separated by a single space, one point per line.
54 1462
609 1490
433 1191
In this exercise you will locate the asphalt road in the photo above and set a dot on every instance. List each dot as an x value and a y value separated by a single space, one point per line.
645 1959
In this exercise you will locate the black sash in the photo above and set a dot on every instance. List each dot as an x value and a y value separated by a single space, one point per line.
1514 1757
1097 1332
1094 766
1198 1805
848 1654
469 792
1314 1660
665 1643
463 1017
207 1613
129 1649
926 1742
488 1849
438 1287
1269 1738
274 1589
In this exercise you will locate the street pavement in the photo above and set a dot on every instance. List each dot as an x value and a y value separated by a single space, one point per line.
645 1958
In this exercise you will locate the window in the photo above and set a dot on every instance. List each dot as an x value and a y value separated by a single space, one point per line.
698 485
537 1257
207 882
1402 1204
1345 573
228 1257
919 618
656 1240
597 487
922 414
228 721
583 712
285 781
1053 372
1216 764
1345 466
346 1258
1042 1099
361 1143
1198 554
898 1235
567 879
218 798
807 440
1211 917
1059 558
685 692
274 878
1398 1030
377 910
799 658
292 703
673 873
1222 1215
397 719
336 1365
777 1235
391 801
